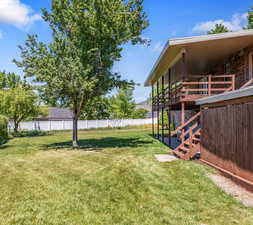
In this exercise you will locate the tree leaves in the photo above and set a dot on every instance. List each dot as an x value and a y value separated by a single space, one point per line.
18 104
219 28
88 35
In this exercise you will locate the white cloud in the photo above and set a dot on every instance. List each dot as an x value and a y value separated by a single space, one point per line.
158 47
235 24
16 13
1 35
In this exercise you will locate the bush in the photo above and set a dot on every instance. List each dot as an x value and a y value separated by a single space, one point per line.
33 133
3 129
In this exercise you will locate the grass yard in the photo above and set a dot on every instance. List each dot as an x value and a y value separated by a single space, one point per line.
114 179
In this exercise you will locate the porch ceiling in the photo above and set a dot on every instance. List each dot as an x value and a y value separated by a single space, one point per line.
202 52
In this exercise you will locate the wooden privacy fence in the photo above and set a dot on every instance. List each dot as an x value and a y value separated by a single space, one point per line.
82 124
227 136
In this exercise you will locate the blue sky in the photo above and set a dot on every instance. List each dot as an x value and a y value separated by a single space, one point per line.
168 19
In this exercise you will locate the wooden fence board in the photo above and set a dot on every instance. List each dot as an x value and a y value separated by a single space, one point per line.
227 137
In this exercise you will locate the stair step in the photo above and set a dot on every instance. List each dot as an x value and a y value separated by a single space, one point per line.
179 154
184 149
197 133
196 139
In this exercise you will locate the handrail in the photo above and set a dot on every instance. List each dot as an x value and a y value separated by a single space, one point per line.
205 82
180 90
188 122
247 84
194 126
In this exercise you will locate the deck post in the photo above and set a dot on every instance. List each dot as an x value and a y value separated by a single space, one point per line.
169 106
209 85
163 108
158 101
183 118
233 82
152 108
182 113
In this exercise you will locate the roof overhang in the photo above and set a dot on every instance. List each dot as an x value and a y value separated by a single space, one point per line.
202 52
245 92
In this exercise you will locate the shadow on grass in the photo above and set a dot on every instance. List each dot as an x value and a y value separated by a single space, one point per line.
2 147
173 144
101 143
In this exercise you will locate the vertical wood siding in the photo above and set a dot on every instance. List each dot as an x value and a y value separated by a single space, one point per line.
227 137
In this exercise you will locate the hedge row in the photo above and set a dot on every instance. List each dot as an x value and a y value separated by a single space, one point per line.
3 129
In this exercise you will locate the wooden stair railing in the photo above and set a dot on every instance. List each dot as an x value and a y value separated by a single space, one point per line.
250 82
190 139
187 123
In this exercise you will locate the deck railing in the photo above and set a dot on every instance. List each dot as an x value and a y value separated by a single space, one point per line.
194 88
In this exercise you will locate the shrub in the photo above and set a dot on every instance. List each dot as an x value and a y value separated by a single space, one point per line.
32 133
3 129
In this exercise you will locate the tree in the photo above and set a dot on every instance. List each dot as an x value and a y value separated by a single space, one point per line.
140 114
98 109
9 80
76 67
3 129
219 28
165 121
19 104
250 19
122 105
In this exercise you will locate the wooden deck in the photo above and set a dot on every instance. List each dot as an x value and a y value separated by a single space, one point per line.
191 89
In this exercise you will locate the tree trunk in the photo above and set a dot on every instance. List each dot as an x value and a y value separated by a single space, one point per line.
15 127
75 143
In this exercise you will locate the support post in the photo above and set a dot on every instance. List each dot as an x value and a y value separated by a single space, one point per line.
163 108
158 101
233 82
183 119
209 85
169 106
152 107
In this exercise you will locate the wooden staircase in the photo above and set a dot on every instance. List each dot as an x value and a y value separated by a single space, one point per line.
190 139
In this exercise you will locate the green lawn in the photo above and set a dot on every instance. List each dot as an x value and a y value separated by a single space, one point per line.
114 179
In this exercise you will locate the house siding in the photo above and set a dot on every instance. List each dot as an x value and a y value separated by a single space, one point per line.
237 64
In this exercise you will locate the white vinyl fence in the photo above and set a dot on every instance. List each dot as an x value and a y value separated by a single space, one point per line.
82 124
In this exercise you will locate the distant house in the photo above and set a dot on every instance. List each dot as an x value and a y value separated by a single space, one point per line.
144 105
55 113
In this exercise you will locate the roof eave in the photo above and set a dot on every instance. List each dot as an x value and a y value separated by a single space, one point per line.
194 39
149 79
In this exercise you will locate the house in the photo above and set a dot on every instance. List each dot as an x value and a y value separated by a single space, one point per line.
192 68
147 106
55 113
144 105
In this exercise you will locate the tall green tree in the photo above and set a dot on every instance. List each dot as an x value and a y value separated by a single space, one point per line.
9 80
98 109
139 114
219 28
88 35
18 104
122 104
250 19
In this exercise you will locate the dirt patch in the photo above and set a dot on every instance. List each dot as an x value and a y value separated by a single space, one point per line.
233 189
